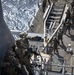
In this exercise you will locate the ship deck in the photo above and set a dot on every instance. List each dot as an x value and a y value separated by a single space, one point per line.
62 56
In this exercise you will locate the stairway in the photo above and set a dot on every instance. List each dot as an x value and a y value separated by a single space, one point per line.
55 14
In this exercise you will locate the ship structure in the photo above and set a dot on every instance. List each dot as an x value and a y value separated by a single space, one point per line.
47 48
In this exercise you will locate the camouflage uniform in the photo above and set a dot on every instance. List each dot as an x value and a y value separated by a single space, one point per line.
23 52
68 15
24 40
55 45
44 5
9 69
68 26
60 35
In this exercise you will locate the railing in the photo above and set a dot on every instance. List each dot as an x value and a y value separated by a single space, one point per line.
62 13
47 68
17 33
45 18
47 12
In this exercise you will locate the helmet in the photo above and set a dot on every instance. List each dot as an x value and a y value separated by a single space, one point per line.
69 44
23 34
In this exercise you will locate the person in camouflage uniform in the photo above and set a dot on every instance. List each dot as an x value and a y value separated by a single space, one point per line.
44 5
60 35
68 26
55 45
10 63
68 15
24 51
25 40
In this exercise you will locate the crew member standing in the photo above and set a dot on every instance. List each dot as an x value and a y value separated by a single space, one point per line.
68 15
60 35
68 26
55 45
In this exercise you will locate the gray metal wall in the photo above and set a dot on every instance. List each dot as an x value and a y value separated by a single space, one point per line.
6 38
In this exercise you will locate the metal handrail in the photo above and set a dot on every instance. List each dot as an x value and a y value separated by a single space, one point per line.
62 13
47 12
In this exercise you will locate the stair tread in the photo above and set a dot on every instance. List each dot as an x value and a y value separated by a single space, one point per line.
54 17
54 12
51 20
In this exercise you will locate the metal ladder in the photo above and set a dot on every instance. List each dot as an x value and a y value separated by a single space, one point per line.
54 19
55 14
